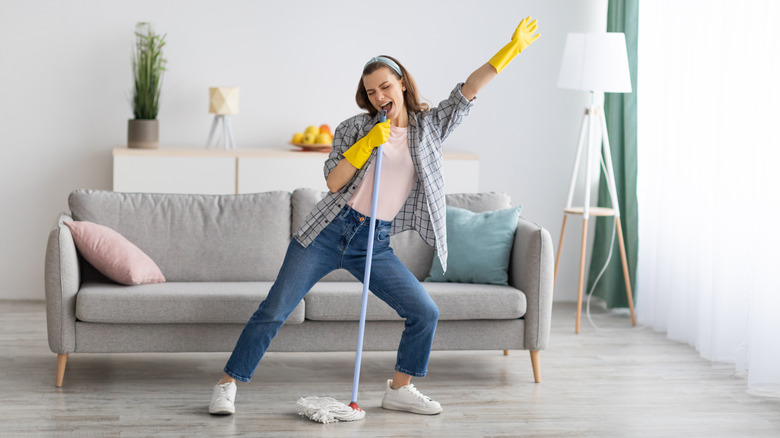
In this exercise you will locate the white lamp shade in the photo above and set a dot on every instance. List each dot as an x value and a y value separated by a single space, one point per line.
595 62
223 100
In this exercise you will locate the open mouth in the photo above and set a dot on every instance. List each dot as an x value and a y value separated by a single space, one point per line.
387 107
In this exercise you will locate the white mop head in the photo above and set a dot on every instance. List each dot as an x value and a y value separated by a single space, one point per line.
327 410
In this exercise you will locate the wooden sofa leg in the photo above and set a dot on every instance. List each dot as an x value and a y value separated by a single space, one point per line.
506 352
535 365
62 360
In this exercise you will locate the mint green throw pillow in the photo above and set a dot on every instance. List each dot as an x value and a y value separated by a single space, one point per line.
478 246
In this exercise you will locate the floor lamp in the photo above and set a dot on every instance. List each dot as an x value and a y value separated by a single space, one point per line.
598 63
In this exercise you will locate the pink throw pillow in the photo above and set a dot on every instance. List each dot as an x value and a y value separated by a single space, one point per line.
113 255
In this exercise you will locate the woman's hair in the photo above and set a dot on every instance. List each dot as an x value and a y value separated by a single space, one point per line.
411 97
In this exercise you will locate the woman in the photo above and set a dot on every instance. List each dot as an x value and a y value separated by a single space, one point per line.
335 233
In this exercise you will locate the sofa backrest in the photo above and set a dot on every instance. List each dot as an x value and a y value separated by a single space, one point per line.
235 237
197 237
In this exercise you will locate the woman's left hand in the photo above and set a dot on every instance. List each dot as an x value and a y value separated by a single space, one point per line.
521 39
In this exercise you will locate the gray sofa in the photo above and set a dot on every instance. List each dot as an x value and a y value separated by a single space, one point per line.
220 255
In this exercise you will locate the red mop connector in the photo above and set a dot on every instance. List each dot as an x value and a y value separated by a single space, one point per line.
355 406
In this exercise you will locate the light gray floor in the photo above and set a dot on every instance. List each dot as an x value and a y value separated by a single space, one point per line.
615 382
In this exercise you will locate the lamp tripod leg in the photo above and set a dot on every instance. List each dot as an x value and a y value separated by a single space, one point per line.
232 142
211 131
558 255
584 127
582 272
225 135
626 277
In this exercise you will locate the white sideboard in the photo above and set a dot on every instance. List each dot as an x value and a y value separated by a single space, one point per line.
218 172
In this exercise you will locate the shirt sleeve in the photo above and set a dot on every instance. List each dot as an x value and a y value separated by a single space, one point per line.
346 134
447 115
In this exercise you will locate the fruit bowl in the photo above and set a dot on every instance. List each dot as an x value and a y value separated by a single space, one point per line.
318 147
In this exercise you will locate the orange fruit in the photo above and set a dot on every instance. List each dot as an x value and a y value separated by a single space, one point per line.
325 129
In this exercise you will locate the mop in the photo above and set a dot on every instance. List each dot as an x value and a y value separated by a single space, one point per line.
327 409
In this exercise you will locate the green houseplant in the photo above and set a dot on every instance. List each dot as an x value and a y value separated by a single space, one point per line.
148 68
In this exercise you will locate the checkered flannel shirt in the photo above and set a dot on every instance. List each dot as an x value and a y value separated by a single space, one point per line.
425 209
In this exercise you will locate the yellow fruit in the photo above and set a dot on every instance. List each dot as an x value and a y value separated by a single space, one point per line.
308 138
312 130
297 137
324 139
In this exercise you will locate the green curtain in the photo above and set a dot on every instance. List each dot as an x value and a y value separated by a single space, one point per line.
620 110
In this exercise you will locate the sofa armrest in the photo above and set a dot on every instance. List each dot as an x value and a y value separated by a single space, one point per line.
531 270
62 280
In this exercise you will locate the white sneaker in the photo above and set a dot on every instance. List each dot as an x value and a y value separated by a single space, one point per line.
409 399
223 398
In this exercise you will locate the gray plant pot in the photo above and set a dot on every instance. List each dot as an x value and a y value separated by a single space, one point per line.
143 134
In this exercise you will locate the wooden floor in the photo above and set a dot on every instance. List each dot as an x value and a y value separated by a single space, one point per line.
618 381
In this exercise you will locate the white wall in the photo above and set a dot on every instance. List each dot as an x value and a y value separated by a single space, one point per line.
65 83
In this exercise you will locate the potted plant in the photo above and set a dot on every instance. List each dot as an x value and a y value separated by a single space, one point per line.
148 68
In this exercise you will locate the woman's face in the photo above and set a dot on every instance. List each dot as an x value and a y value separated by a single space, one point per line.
386 92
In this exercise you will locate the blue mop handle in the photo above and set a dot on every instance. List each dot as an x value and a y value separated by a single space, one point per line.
367 272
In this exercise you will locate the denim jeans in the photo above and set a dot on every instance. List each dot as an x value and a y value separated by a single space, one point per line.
342 244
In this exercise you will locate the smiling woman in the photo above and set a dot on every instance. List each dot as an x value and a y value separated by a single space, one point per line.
391 74
386 92
411 197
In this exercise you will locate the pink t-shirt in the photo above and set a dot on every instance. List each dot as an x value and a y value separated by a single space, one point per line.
396 181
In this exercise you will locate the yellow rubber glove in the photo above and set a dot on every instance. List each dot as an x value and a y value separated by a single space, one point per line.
360 151
522 38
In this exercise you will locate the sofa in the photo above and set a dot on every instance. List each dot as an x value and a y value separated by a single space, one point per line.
220 254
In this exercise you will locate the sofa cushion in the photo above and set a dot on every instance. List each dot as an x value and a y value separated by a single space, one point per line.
334 301
479 246
478 202
303 200
413 252
113 255
197 237
229 302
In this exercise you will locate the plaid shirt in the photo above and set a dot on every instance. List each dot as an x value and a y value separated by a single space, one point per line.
425 209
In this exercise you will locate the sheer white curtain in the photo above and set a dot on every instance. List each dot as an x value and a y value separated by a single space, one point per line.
708 185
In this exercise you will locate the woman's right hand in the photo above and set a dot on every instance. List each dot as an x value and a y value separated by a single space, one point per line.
379 134
358 154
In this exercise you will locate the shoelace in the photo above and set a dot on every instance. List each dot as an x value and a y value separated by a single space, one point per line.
224 393
415 392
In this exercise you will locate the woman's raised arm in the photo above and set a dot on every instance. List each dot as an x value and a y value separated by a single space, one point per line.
521 39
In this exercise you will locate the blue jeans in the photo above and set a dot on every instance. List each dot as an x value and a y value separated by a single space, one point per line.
342 244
